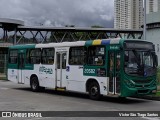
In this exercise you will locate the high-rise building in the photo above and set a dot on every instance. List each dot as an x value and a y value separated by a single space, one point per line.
128 14
153 24
152 6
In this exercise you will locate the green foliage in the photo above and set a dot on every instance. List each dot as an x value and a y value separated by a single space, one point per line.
158 93
96 26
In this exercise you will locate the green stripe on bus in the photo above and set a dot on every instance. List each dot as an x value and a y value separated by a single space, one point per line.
22 46
89 43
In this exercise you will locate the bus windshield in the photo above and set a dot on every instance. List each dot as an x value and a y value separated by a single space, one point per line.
140 63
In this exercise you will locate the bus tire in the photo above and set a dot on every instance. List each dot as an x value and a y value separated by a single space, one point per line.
35 84
94 91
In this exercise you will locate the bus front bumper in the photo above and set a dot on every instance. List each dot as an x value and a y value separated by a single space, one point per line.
129 92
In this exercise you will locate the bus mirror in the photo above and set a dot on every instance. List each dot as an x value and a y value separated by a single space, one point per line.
156 60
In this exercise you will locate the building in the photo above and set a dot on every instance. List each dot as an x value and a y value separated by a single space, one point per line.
128 14
153 24
152 6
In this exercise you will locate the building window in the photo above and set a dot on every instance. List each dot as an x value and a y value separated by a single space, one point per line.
96 55
47 56
13 56
77 55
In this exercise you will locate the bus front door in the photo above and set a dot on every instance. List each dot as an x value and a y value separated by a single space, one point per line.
61 69
21 67
114 72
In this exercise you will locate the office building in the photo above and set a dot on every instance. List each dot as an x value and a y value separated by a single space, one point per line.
152 6
128 14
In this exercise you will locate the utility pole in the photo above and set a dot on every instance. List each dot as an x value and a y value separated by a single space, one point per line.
144 22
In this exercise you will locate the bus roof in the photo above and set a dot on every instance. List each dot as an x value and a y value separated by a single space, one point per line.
82 43
63 44
67 44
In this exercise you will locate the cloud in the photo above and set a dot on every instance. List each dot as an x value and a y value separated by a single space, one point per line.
47 23
81 13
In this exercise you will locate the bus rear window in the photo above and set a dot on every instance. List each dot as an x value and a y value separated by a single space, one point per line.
13 56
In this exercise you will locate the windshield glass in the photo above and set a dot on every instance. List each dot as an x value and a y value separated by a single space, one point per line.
139 63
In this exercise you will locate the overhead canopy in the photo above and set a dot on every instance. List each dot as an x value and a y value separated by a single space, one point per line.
42 34
10 24
78 29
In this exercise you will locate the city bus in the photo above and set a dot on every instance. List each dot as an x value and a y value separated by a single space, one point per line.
103 67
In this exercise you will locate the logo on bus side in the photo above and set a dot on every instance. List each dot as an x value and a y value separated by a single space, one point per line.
43 69
114 47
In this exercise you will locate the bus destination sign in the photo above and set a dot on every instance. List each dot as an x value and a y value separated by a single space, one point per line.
139 45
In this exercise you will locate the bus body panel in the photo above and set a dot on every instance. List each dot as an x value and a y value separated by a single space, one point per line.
45 74
13 75
75 78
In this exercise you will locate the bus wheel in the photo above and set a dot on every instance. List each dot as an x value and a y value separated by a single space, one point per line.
94 91
34 84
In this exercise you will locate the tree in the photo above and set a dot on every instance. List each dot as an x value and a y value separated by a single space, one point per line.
96 26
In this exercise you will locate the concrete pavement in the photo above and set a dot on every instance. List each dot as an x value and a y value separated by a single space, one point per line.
15 97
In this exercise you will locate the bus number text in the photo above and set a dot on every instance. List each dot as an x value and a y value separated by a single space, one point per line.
90 71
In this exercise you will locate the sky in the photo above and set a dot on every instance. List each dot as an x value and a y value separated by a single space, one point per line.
81 13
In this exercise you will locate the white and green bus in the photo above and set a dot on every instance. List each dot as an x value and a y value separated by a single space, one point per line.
109 67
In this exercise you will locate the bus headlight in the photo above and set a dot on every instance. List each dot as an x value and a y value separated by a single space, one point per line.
154 91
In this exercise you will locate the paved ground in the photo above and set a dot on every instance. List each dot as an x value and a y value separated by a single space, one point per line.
15 97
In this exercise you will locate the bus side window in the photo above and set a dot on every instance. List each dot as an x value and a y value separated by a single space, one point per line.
35 56
100 61
118 64
77 55
28 60
48 56
13 56
96 55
